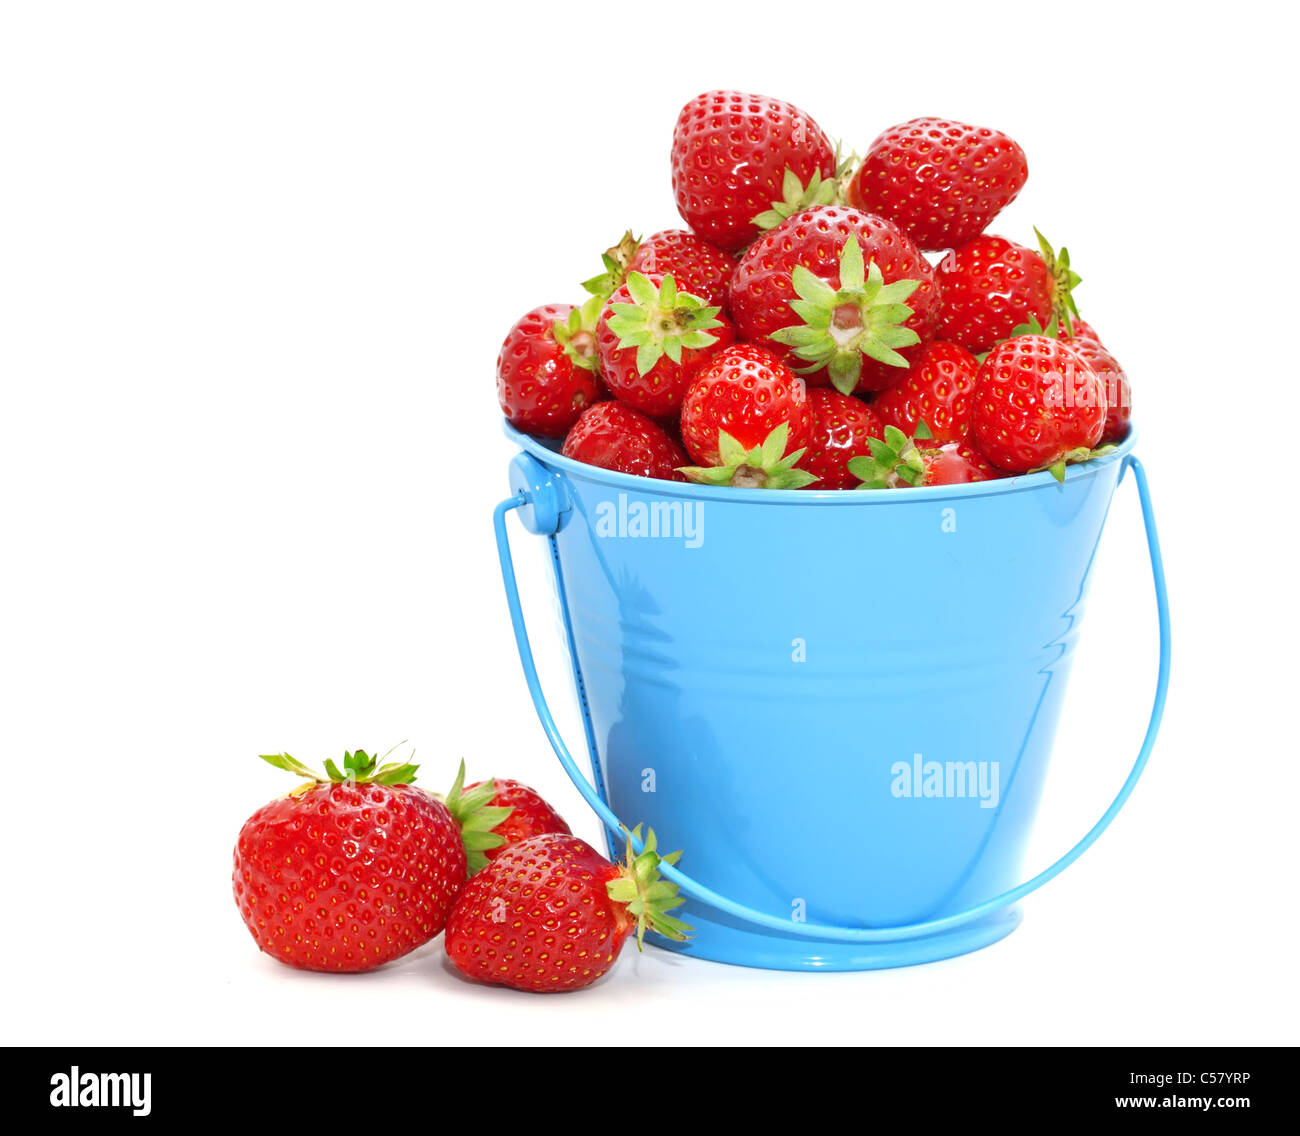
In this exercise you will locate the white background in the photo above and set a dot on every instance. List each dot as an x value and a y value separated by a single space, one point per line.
255 264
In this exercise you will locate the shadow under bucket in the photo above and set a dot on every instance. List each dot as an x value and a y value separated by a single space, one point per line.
840 705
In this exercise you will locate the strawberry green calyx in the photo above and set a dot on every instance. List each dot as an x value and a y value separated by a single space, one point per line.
1033 327
615 259
577 334
1064 281
646 895
662 321
796 197
476 818
1074 457
895 459
764 467
865 316
846 166
358 768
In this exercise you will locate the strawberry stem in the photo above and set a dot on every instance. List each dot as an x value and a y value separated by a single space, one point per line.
662 321
647 896
764 467
476 818
864 317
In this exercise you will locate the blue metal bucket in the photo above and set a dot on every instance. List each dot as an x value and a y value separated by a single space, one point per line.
840 705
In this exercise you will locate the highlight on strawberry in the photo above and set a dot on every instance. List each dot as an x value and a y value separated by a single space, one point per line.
802 267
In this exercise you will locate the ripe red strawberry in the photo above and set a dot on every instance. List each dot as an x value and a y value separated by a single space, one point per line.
826 291
897 462
529 813
614 436
1119 395
547 372
956 463
1037 405
653 338
940 181
737 157
746 420
700 268
350 871
841 428
991 285
936 390
551 914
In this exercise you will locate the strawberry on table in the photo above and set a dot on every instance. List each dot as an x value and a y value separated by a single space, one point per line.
991 285
897 462
614 436
940 181
547 371
736 157
746 420
842 429
353 869
551 914
652 338
843 296
937 390
1037 405
698 267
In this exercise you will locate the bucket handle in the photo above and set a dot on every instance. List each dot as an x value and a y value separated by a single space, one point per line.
540 494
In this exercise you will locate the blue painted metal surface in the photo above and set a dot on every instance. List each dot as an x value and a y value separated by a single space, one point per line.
840 705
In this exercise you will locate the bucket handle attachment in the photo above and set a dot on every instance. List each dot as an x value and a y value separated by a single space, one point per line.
541 494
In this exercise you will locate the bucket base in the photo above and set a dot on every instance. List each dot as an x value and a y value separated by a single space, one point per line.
719 940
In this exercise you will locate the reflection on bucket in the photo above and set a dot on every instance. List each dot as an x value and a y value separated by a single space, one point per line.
840 705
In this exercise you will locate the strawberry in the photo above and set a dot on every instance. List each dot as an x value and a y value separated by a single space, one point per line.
898 461
956 463
551 914
1037 405
547 372
700 268
826 289
738 158
528 813
614 436
354 869
841 428
940 181
936 389
746 420
991 285
1119 395
1085 343
652 339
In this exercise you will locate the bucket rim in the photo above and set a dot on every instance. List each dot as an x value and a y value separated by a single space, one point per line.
546 451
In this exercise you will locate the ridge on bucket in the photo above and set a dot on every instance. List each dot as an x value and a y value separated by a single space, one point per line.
850 794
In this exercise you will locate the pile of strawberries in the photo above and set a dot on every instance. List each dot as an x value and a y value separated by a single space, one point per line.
360 866
798 335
